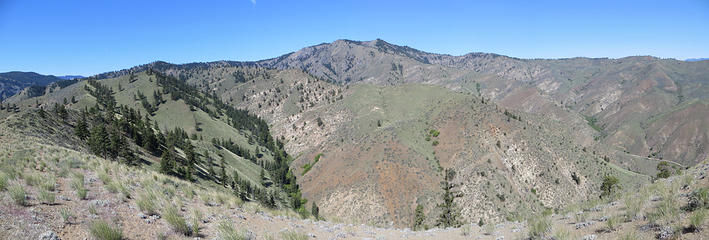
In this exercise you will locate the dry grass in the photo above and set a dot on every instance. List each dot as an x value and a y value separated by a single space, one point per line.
696 220
177 221
293 235
18 194
147 202
226 231
101 230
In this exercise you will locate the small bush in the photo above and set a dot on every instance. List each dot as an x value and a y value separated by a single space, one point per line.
697 219
562 234
147 202
633 206
176 221
539 228
33 179
46 196
196 218
3 181
82 193
65 214
293 235
609 186
49 184
612 223
103 231
698 199
465 230
125 192
18 194
489 228
105 178
93 210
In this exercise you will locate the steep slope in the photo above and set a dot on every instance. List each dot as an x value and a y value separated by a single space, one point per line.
13 82
204 140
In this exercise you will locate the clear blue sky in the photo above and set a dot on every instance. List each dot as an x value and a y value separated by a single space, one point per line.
94 36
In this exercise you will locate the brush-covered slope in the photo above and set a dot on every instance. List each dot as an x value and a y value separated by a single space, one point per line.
619 96
391 144
374 162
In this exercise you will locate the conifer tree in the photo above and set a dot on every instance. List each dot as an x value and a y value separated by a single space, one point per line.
98 141
419 218
167 161
315 211
223 173
449 216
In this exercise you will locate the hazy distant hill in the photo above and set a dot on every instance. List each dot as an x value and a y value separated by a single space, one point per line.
13 82
696 59
70 77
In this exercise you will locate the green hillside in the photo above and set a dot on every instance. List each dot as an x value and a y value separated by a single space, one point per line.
205 140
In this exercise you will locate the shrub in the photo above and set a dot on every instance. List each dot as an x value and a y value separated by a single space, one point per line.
698 199
49 184
612 223
633 206
609 186
33 179
539 228
101 230
196 218
293 235
697 219
176 221
105 178
92 210
465 230
125 192
147 202
46 196
82 193
3 181
18 194
65 214
562 234
489 228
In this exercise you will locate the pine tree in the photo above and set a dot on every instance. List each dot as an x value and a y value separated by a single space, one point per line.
315 211
223 175
449 216
117 143
191 160
167 161
210 167
419 218
98 141
81 128
41 112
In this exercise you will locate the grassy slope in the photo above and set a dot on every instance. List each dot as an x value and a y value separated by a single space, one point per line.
169 115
